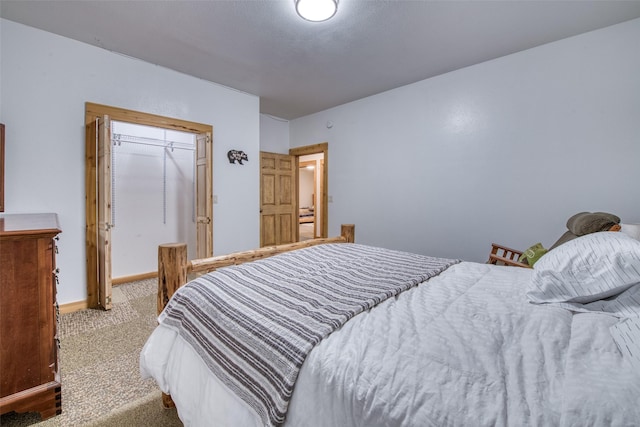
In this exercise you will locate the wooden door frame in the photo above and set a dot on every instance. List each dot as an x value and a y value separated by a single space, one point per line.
323 148
92 111
301 166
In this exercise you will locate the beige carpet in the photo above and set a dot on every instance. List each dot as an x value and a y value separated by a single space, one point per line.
101 382
306 231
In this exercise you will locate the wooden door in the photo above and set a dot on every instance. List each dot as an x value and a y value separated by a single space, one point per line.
204 196
103 149
278 201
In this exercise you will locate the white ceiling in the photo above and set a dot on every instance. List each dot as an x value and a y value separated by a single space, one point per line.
298 67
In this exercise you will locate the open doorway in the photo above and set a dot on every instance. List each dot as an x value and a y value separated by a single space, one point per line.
310 195
312 161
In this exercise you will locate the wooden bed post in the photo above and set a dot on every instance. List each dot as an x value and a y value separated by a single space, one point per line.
172 271
348 231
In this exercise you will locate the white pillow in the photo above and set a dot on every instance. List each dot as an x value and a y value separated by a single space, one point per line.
586 269
632 230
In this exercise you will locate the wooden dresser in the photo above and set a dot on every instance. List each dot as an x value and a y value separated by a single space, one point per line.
29 371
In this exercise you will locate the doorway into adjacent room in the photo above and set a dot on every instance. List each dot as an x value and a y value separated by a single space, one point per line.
309 195
312 186
280 200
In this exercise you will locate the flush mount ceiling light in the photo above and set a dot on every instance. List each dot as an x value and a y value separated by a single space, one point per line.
316 10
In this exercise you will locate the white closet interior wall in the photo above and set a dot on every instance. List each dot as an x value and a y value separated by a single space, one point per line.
153 195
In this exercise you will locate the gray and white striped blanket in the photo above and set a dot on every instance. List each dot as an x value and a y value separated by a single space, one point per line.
254 324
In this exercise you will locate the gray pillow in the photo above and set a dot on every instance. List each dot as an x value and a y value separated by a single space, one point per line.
591 222
586 223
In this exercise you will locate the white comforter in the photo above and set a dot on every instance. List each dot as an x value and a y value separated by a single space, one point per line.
464 349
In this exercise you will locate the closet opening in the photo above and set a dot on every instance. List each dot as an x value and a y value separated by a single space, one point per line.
152 196
135 174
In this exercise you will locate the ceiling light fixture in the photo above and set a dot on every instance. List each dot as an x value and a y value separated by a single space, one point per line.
316 10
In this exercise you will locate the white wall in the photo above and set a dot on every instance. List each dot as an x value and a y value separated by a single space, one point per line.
305 188
45 81
503 151
274 134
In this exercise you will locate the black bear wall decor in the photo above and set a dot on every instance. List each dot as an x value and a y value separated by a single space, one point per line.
238 155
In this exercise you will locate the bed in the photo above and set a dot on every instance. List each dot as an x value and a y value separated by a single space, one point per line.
449 342
306 215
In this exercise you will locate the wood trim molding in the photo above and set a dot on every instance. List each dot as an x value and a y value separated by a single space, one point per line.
123 115
323 148
72 307
134 278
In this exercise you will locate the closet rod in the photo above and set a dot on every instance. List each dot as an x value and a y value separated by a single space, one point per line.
152 142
